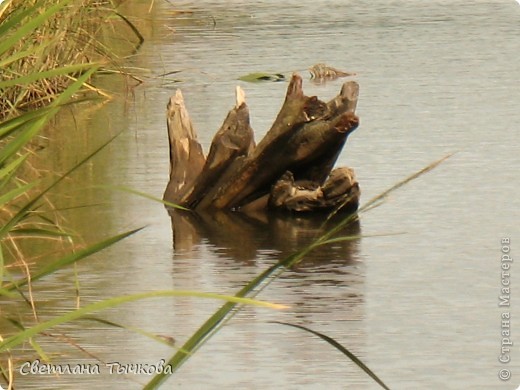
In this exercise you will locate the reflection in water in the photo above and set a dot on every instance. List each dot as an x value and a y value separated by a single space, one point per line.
325 291
242 236
331 274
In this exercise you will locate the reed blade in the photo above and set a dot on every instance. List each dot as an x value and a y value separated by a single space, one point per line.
69 259
342 349
28 26
27 333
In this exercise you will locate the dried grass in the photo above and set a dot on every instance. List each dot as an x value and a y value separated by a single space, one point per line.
73 36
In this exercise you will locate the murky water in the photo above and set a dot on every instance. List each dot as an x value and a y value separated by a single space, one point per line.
420 308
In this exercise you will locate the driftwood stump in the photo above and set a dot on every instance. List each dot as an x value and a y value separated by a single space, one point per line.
289 169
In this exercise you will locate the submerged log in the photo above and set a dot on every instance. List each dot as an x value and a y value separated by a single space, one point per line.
290 168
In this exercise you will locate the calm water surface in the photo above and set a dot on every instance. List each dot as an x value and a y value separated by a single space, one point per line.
419 307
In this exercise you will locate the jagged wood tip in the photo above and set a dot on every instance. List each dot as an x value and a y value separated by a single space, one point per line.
240 96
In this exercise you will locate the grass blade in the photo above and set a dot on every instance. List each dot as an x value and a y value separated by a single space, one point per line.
30 25
23 212
341 348
8 171
15 57
16 17
39 350
69 259
143 195
217 319
11 125
31 78
27 333
67 94
29 132
134 29
24 136
39 232
165 340
14 193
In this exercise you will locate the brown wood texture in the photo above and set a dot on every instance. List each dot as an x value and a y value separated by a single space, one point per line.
290 168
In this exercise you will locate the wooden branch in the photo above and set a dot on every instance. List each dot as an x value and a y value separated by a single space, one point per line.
186 156
347 99
259 171
344 103
234 139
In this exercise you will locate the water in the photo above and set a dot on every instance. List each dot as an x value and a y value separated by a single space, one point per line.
418 303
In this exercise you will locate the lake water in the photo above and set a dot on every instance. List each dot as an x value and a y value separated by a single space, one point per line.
416 298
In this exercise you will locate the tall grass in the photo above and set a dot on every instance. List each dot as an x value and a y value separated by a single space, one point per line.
64 34
49 49
40 70
45 85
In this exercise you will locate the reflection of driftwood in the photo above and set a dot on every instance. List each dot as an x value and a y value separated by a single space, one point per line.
290 168
242 236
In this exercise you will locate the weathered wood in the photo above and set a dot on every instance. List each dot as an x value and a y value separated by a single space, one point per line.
234 139
186 156
340 191
302 146
308 147
314 149
347 99
344 103
259 171
301 155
